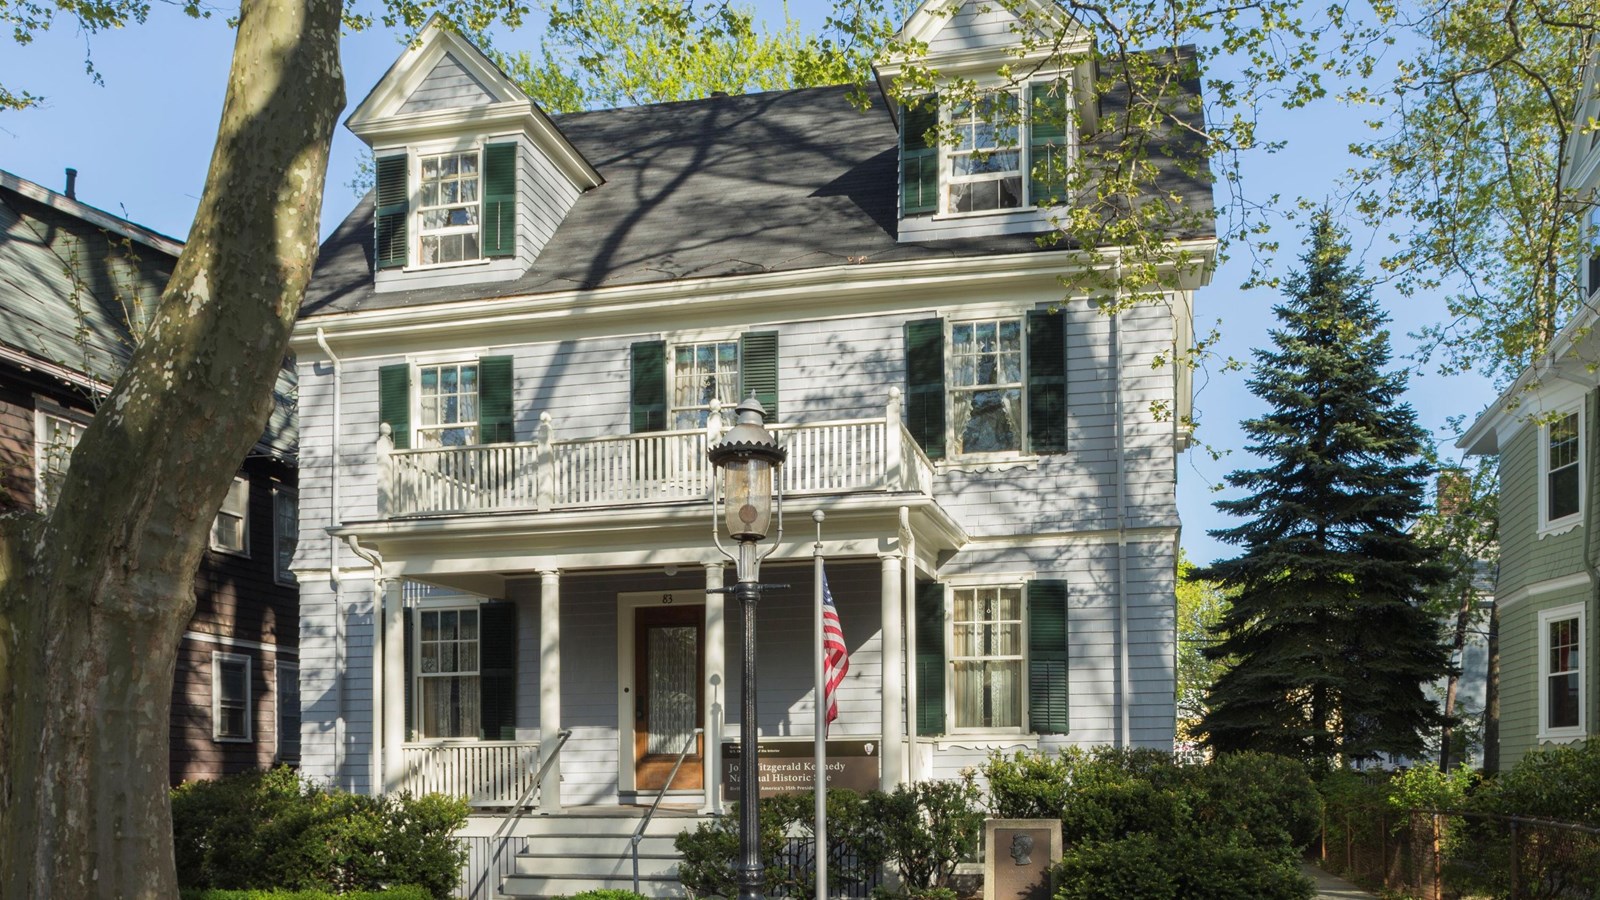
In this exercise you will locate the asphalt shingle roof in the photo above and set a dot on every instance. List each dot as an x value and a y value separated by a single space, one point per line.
769 182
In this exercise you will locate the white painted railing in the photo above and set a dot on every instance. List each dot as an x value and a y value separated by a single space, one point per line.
859 455
484 773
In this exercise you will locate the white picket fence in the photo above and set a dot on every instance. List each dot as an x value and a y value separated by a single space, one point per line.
851 456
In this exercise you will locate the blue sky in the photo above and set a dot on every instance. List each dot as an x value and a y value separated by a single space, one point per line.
142 140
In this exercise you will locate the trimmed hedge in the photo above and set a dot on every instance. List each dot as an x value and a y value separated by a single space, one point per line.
273 830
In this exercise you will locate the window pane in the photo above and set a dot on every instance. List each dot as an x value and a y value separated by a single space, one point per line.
1564 706
469 625
447 625
1562 494
987 694
989 421
430 626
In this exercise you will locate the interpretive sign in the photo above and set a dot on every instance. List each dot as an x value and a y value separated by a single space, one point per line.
787 767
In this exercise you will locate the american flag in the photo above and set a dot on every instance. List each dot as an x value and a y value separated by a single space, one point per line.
835 655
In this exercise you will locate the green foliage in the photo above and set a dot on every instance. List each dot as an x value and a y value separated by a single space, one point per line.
403 892
606 894
1137 823
1201 604
927 828
1425 787
610 53
270 829
1560 783
1329 653
855 848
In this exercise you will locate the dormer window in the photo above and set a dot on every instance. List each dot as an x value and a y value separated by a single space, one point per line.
995 158
440 207
448 210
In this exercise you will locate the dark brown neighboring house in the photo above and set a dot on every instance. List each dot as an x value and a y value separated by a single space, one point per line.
76 286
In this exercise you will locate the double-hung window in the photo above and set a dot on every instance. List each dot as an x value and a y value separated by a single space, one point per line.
230 531
447 405
447 672
55 436
702 372
986 158
986 386
448 207
230 697
285 533
1561 675
288 723
986 658
1561 471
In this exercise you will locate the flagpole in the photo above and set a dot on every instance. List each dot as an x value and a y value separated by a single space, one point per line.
819 775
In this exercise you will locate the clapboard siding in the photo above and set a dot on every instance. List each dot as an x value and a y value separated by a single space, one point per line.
195 753
975 25
1519 674
448 86
1525 557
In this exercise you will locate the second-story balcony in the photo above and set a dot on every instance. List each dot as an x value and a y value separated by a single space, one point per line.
838 457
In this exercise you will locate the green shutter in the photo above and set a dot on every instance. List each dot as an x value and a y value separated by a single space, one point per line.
1047 657
1047 143
393 202
919 161
494 401
925 385
497 671
758 370
394 401
409 617
500 199
1047 382
930 658
648 386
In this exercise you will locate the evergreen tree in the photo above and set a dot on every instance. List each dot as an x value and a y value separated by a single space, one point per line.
1330 647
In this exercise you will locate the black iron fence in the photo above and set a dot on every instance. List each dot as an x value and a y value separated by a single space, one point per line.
848 877
1447 854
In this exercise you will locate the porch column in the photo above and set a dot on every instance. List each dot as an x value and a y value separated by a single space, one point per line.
394 685
716 689
550 685
891 751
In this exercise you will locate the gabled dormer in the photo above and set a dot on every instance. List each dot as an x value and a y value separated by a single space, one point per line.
1583 170
990 163
472 177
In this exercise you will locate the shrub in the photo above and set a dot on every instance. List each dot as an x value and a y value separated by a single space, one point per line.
606 894
403 892
928 827
1191 867
1135 866
711 851
262 830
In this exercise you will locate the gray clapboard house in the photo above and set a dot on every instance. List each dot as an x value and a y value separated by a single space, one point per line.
514 354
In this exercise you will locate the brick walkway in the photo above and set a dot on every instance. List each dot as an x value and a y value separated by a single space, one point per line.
1332 887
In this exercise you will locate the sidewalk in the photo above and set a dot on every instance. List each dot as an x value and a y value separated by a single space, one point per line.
1332 887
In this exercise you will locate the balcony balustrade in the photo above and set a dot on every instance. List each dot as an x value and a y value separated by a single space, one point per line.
859 455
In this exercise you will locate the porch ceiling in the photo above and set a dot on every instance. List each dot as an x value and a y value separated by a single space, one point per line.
477 553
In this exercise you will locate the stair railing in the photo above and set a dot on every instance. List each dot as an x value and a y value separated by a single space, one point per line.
638 833
502 834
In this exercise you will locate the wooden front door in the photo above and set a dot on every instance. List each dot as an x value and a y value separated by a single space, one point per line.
669 695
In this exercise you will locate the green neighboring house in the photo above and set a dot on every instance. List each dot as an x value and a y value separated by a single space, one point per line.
1546 431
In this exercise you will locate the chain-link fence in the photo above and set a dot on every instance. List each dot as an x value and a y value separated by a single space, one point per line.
1449 854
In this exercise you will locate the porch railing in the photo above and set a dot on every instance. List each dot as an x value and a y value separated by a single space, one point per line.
484 773
857 455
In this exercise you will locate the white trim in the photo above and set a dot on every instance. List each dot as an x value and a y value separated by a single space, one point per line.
1551 527
73 207
415 399
628 604
44 410
219 657
827 291
27 362
224 641
977 731
244 520
1539 588
1021 455
284 576
1577 611
279 667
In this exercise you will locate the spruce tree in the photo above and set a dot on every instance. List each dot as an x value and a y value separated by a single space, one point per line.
1329 646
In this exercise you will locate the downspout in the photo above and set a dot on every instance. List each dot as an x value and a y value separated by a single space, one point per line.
380 648
908 546
333 566
1124 679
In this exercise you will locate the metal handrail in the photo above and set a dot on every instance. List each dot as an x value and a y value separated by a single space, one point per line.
638 833
515 813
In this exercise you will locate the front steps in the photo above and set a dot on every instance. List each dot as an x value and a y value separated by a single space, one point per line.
590 850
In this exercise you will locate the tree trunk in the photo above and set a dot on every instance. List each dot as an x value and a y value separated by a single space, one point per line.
1469 600
94 599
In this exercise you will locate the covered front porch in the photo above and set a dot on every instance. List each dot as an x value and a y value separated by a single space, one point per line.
554 607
